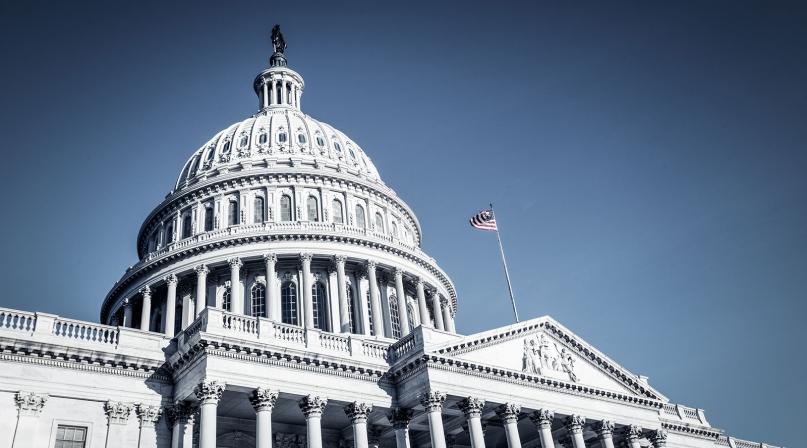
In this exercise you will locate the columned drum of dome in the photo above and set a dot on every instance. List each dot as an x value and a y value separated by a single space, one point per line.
284 183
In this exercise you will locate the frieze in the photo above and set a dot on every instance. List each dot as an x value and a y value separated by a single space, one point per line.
541 356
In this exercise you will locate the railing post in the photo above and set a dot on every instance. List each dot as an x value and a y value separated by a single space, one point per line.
265 329
44 323
312 338
355 346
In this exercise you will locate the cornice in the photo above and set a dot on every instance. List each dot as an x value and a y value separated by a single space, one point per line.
87 365
692 431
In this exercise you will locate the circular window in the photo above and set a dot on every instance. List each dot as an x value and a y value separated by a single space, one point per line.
320 141
262 139
281 137
301 138
337 147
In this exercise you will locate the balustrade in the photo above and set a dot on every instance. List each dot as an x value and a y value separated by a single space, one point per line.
84 331
17 320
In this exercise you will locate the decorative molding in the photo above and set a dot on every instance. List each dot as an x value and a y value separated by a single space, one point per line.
118 412
263 399
29 403
433 400
358 412
312 406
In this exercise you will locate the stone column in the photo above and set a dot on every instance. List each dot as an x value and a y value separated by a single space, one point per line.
659 438
308 300
273 302
374 435
361 313
542 419
118 414
509 413
433 402
170 304
437 310
180 419
574 424
424 311
185 292
375 305
29 406
264 98
148 416
274 91
357 413
127 313
145 314
632 434
312 408
263 401
403 309
201 288
209 394
236 299
472 408
605 431
344 313
400 423
447 320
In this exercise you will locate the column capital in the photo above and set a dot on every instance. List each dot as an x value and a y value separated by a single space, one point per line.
340 260
117 411
374 434
358 412
270 257
509 412
312 406
397 272
604 429
29 403
171 279
263 399
145 291
371 265
658 438
418 280
305 257
574 423
180 413
471 406
400 418
127 303
433 400
201 270
542 418
443 301
148 414
209 392
235 263
631 433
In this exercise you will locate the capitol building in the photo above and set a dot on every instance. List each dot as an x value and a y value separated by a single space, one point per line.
282 300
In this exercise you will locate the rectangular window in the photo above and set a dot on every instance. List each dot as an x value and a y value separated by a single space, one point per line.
70 437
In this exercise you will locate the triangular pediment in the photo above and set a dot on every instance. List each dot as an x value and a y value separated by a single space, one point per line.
543 347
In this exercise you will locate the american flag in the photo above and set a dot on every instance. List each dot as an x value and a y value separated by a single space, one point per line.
484 220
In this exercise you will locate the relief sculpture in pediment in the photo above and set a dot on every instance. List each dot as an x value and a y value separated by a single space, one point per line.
544 358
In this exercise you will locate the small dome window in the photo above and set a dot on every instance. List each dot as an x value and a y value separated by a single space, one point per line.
226 147
337 147
364 161
262 139
320 142
352 154
210 153
301 138
281 137
244 141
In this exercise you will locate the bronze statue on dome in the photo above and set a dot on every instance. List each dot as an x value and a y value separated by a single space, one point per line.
277 40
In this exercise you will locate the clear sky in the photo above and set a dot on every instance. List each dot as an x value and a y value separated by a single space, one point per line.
647 161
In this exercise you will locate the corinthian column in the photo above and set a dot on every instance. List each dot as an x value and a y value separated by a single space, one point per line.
433 402
209 394
273 303
375 306
118 415
181 419
308 301
424 311
472 408
170 304
236 299
29 406
313 408
509 413
574 424
127 313
403 310
542 419
201 288
148 416
632 434
145 315
400 423
344 312
605 431
357 413
448 321
658 438
438 310
263 401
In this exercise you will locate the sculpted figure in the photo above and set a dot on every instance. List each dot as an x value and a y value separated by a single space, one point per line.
543 351
529 356
567 363
277 40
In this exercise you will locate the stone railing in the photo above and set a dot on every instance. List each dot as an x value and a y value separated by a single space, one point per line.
218 322
85 331
731 442
683 413
17 320
404 345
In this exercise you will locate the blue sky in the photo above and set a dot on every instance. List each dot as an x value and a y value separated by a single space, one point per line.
647 161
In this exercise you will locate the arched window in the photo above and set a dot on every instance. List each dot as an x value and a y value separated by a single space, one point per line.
262 139
244 141
232 213
226 303
320 142
394 229
257 213
318 299
301 139
369 308
208 219
350 309
313 213
281 137
186 226
285 208
336 207
379 222
394 316
288 303
170 237
259 300
360 217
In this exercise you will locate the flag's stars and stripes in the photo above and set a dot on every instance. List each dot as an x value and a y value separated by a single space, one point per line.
484 220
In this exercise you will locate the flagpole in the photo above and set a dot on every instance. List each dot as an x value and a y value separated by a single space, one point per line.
506 274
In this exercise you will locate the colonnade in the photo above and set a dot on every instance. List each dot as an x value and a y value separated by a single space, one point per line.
312 407
375 315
